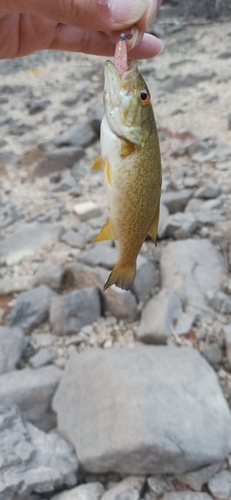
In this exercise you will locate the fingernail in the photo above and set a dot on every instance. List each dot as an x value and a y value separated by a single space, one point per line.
126 12
151 12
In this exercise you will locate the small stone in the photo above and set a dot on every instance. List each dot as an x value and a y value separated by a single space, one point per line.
196 479
185 323
10 284
208 217
57 160
210 190
79 135
226 286
90 491
220 484
190 182
73 239
31 308
42 358
164 213
129 489
158 485
213 354
87 210
159 317
28 240
68 182
44 339
229 122
75 309
220 301
36 106
50 275
12 345
176 201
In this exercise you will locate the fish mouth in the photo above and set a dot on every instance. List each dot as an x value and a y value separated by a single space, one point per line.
114 81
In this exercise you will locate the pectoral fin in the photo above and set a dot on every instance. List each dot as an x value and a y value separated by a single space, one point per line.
106 232
98 163
126 148
154 226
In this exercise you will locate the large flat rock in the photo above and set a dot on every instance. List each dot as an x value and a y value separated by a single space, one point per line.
143 410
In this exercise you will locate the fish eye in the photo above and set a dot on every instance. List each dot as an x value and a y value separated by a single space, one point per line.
144 97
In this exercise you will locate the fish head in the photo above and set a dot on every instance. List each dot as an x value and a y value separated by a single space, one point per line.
127 103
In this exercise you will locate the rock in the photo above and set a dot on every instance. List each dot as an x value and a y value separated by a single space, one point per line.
146 280
73 310
90 491
32 391
196 479
227 332
42 358
190 182
78 135
36 106
164 213
57 160
185 323
99 255
229 122
213 354
191 268
8 214
179 226
158 485
194 205
32 460
68 182
74 239
219 301
159 317
176 201
95 116
220 484
119 303
179 81
10 284
87 210
129 489
12 345
27 240
186 495
50 275
208 217
210 190
145 424
31 308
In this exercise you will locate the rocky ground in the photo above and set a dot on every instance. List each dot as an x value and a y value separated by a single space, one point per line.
143 418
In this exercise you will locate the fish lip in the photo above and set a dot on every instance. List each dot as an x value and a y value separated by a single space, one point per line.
114 80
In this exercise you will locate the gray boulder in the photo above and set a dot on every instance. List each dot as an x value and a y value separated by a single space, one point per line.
32 460
50 275
73 310
78 135
129 488
146 280
57 160
12 345
156 410
176 201
32 392
191 268
179 226
31 308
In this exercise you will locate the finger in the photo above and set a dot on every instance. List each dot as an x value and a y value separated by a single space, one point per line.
98 43
103 15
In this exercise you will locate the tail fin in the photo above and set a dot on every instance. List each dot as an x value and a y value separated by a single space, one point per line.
121 276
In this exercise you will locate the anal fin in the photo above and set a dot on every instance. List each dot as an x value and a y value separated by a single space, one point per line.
106 232
98 163
154 225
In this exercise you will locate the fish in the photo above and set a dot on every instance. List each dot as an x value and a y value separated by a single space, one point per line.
130 159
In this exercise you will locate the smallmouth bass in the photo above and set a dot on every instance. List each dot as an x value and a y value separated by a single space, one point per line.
130 158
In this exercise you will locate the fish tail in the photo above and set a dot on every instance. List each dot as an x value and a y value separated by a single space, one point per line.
122 276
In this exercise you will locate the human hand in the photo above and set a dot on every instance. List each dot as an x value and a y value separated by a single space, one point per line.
89 26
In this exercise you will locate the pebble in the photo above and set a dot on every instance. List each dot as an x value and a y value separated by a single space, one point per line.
57 160
176 201
210 190
50 275
90 491
74 239
79 135
227 333
12 345
87 210
35 106
99 255
220 484
196 479
213 354
43 357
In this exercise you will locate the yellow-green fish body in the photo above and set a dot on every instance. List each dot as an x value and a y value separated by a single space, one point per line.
132 168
